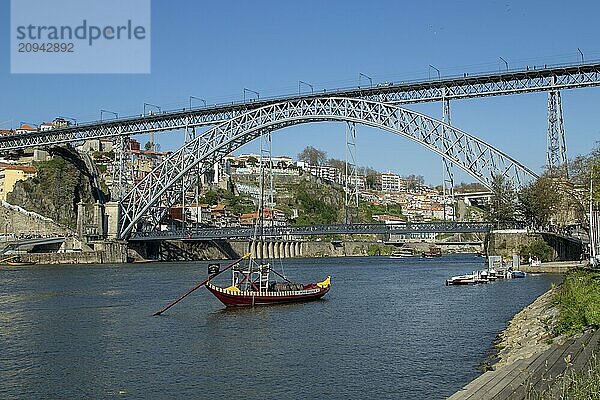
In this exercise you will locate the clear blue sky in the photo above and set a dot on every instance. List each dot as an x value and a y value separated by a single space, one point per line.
215 49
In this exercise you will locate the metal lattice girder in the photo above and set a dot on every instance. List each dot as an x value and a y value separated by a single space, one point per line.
154 194
299 230
556 152
351 175
514 82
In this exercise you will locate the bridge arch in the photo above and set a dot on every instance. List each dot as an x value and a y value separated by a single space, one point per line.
160 189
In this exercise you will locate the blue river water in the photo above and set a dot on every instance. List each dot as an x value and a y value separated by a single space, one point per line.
388 329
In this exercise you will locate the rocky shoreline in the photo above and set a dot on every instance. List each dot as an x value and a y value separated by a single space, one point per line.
529 332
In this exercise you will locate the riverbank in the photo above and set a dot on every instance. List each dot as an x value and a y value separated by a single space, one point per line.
529 332
554 267
548 349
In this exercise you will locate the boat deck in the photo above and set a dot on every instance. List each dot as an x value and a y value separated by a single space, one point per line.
536 374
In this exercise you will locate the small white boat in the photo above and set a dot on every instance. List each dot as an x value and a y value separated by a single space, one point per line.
461 280
518 274
403 253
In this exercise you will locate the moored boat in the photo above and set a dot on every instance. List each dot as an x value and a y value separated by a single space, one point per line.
518 274
461 280
403 253
433 252
233 296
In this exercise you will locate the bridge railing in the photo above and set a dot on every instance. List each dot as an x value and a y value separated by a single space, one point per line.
209 233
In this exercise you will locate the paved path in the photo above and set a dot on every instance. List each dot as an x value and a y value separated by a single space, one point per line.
534 374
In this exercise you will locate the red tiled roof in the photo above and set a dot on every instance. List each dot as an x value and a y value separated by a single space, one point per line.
24 168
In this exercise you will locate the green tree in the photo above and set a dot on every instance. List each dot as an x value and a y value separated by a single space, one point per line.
539 249
211 197
503 204
539 200
148 146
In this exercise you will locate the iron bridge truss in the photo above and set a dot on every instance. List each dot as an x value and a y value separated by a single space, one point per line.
162 187
507 83
212 233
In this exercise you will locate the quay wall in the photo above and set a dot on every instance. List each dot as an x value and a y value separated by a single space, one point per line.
110 252
182 250
510 242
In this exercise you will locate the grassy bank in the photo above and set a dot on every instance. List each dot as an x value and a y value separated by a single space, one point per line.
583 385
578 302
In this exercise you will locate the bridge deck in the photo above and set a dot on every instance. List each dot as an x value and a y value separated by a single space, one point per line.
307 230
460 87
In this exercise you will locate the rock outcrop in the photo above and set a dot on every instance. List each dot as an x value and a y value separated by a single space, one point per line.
59 185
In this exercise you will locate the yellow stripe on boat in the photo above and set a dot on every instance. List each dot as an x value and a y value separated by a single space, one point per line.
325 283
233 289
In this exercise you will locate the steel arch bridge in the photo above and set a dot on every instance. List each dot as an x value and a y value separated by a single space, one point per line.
161 188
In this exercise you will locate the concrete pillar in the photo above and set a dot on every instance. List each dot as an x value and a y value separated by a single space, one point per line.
271 250
292 250
286 250
111 210
297 249
80 218
301 248
99 218
276 246
265 250
252 249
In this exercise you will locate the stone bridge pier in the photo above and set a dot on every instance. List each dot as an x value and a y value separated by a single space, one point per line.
275 249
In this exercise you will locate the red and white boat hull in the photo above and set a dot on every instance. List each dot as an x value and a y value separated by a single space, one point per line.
250 298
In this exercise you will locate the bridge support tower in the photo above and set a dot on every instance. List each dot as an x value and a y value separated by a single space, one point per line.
447 167
351 175
556 147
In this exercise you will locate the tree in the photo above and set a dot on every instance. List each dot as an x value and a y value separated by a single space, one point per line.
312 156
539 200
148 146
252 161
503 204
211 197
413 181
337 164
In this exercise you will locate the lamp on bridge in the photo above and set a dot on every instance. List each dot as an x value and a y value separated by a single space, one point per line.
251 91
307 84
505 63
69 118
581 54
360 75
438 72
109 112
152 147
197 98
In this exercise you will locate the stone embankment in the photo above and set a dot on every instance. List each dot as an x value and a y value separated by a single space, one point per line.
529 332
555 267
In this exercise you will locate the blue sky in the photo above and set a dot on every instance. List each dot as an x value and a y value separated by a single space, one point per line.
215 49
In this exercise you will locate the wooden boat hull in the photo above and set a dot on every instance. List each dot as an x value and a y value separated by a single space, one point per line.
238 299
19 263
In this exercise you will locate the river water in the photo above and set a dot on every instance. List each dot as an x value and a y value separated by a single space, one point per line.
388 329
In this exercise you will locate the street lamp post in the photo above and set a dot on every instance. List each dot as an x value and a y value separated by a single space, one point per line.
251 91
108 112
151 105
360 75
152 133
505 62
580 53
438 72
197 98
69 118
307 84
